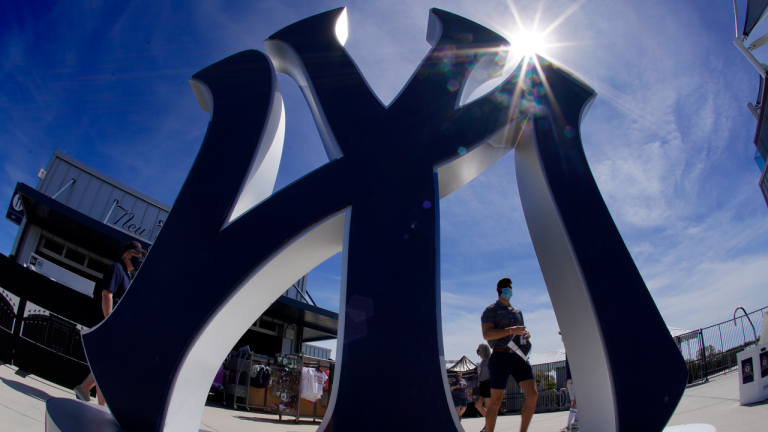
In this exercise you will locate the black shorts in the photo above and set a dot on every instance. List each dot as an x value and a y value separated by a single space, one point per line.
503 364
459 401
485 389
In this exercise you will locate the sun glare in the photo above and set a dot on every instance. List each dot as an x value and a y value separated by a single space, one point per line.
528 43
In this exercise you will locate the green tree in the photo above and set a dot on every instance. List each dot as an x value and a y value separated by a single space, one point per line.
709 350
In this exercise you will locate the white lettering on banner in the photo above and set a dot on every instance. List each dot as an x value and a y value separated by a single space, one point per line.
17 202
132 228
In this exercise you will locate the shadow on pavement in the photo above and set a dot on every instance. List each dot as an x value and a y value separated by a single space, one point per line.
757 404
276 421
27 390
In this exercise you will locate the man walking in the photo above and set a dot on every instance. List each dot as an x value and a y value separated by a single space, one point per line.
503 328
113 287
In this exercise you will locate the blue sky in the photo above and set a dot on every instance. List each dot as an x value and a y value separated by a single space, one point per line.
669 137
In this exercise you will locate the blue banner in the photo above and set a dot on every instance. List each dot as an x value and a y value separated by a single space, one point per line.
15 211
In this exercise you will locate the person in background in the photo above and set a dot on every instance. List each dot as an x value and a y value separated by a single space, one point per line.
573 415
484 380
459 393
539 387
113 286
501 323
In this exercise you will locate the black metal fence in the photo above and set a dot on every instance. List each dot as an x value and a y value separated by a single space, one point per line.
708 352
54 333
712 350
551 398
40 323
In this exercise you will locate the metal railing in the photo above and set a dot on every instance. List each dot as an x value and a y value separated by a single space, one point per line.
708 352
552 398
7 311
54 333
712 350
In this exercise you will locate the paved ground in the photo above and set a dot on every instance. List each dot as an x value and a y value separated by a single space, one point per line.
22 409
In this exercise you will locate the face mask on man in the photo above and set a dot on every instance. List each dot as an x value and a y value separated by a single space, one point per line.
506 293
136 262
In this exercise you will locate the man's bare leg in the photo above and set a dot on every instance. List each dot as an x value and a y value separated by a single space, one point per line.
100 398
492 411
88 383
531 396
83 389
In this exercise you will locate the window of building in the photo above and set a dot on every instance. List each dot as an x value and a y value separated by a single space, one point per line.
76 259
268 326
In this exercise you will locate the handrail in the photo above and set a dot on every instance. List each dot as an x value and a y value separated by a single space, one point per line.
748 319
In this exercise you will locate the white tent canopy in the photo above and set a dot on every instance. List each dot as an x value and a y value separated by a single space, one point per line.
463 365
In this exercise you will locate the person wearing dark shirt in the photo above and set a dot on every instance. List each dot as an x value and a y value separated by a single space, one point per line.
459 393
503 327
113 286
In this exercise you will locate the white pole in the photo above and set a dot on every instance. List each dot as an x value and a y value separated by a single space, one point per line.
62 189
114 203
740 45
736 13
753 110
758 43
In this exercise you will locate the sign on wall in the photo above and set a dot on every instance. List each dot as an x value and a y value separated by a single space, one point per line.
747 371
15 211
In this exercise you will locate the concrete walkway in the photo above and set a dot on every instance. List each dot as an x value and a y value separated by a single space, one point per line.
22 409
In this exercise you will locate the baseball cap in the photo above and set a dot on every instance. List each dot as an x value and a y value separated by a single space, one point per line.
133 246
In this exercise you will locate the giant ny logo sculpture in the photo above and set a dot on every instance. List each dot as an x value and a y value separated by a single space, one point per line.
377 200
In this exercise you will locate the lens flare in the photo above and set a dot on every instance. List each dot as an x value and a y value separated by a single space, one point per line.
528 43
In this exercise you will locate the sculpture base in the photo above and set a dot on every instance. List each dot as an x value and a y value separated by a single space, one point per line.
69 415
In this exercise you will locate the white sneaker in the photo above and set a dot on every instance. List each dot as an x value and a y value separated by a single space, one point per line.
575 424
566 429
81 394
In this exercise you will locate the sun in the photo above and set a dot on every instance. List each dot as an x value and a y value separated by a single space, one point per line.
528 43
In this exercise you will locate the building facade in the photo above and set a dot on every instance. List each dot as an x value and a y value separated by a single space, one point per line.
72 226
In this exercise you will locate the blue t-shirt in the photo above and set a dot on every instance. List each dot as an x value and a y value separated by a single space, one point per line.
460 392
116 281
